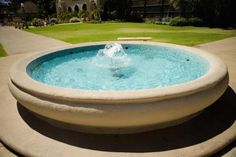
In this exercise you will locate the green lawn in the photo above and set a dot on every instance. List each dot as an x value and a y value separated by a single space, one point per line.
2 51
78 33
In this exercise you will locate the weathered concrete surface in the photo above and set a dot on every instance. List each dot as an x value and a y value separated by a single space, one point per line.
16 41
226 50
4 69
231 153
4 152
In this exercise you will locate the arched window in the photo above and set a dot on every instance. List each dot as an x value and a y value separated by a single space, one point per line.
76 9
84 7
69 9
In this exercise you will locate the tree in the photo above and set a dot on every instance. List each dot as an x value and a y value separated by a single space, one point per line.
15 5
179 5
144 8
213 12
46 7
116 9
217 12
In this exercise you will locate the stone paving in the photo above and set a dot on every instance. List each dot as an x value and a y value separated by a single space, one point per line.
23 42
16 41
4 152
226 50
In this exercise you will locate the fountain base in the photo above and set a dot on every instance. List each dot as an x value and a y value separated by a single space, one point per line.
115 111
114 130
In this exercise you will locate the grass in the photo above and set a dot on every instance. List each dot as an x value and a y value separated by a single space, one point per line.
2 51
78 33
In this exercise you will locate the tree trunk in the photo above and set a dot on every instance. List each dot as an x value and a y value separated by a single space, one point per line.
144 8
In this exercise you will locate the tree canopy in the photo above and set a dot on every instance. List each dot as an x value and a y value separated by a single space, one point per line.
213 12
46 7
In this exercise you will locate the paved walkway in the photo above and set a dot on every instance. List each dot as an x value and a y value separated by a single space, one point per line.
226 50
16 41
4 152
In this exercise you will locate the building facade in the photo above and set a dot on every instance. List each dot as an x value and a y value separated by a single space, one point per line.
76 5
141 8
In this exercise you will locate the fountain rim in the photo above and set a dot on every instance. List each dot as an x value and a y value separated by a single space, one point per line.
217 72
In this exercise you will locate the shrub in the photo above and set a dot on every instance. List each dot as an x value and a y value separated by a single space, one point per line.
94 21
178 21
96 14
195 21
166 20
53 21
114 15
181 21
151 20
37 22
135 18
83 14
64 17
26 24
74 20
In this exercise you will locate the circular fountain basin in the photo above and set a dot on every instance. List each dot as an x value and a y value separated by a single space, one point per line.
158 85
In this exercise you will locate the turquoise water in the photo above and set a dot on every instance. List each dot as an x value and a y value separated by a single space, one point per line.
144 67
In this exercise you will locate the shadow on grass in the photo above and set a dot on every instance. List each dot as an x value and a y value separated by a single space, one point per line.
211 122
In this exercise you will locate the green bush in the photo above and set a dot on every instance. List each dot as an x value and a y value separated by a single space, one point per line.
181 21
83 14
178 21
166 19
53 21
37 22
151 20
74 20
114 15
96 14
195 21
65 17
94 21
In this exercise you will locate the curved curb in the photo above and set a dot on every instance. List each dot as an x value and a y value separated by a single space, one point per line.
217 71
119 111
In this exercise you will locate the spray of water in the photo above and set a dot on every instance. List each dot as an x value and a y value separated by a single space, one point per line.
112 56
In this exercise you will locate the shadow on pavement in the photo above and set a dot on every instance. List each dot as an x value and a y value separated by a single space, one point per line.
211 122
